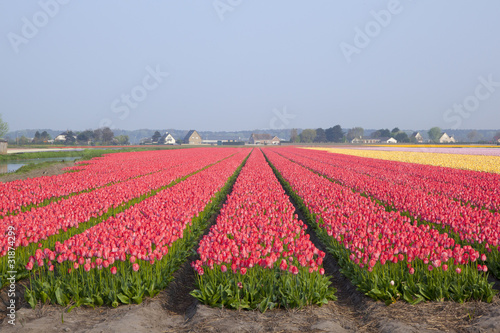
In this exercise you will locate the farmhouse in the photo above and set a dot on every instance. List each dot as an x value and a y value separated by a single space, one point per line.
62 137
192 138
366 139
167 139
388 140
416 137
445 138
263 139
3 147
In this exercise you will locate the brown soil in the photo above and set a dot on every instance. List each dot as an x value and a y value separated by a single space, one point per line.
54 169
173 310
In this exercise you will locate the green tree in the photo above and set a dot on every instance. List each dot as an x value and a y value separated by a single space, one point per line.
98 135
82 137
384 133
45 136
402 137
23 140
434 134
293 135
395 131
107 135
356 132
4 127
122 140
156 136
37 138
70 138
320 135
307 135
334 134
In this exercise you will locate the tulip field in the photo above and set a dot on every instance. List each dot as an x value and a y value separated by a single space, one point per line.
114 229
257 255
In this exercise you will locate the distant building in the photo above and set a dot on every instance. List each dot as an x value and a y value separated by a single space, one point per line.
445 138
192 138
62 137
263 139
416 137
388 140
366 139
3 147
167 139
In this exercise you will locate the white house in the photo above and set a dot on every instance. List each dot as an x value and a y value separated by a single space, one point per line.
62 137
388 140
167 139
417 137
445 138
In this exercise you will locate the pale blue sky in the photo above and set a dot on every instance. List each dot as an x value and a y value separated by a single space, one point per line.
249 64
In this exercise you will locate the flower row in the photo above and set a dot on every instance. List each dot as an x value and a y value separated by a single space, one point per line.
258 242
474 226
136 251
463 161
94 173
479 189
384 253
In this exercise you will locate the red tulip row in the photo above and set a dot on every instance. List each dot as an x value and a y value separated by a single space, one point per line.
94 173
256 235
477 227
475 188
136 251
384 254
40 223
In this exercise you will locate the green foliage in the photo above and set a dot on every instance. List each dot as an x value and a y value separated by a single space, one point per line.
402 137
320 135
307 136
4 127
263 289
356 132
435 134
334 134
392 282
99 286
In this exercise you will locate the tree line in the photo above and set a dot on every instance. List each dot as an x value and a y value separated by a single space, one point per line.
100 136
338 135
